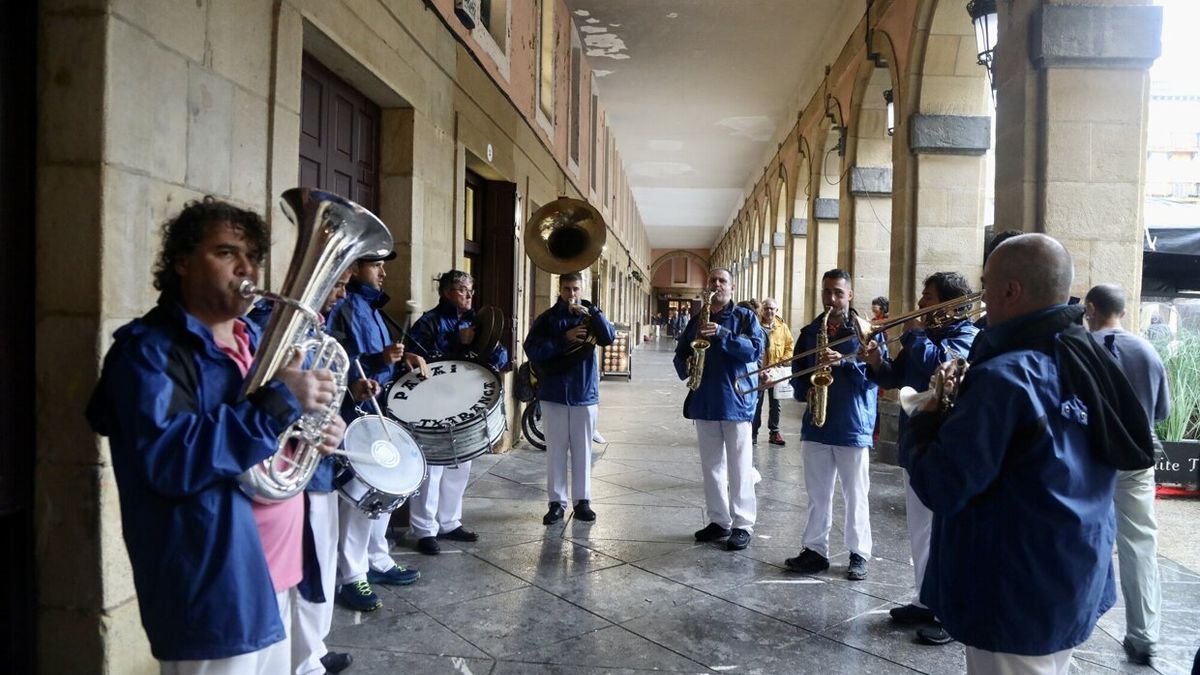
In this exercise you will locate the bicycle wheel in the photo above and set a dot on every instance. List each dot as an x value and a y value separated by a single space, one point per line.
531 421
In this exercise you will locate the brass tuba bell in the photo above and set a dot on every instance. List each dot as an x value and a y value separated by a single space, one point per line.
564 236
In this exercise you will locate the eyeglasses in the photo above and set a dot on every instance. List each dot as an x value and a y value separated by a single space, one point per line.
464 291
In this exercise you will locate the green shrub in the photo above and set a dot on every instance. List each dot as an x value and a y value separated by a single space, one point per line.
1182 360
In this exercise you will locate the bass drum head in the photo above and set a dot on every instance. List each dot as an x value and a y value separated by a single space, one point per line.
456 393
384 455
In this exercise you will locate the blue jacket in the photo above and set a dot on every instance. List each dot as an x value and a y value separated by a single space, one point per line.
852 399
732 352
358 325
923 352
1021 551
577 383
435 335
168 401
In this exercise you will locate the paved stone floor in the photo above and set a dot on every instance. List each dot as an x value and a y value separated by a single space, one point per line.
632 592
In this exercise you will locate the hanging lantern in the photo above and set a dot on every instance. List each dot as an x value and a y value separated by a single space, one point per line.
891 111
987 25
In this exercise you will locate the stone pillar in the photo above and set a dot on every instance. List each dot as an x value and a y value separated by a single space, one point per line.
826 211
870 257
796 313
1071 130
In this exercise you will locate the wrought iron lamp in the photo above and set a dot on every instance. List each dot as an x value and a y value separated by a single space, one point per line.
987 25
891 111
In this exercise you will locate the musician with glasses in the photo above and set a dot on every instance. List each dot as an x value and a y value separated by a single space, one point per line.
216 574
569 391
1137 528
839 447
446 331
364 555
1020 472
721 412
927 342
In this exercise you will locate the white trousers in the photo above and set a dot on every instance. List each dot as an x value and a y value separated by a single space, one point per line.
362 544
920 529
822 464
728 463
980 662
1137 550
437 507
270 660
311 620
569 431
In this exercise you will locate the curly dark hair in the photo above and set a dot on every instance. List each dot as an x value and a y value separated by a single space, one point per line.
949 285
183 233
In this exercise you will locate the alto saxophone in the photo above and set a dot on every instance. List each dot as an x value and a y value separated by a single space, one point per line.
822 377
699 345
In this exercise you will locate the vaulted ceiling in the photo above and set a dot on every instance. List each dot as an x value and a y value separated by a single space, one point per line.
699 93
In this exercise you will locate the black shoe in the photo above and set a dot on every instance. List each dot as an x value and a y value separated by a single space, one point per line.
712 532
459 533
1136 655
428 546
808 562
554 515
754 440
934 635
858 568
738 540
336 662
911 615
583 511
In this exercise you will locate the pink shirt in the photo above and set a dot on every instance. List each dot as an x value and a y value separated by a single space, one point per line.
280 526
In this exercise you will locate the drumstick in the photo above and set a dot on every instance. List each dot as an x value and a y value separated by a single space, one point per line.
387 432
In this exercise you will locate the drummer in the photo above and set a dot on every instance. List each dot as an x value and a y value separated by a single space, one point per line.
446 331
357 323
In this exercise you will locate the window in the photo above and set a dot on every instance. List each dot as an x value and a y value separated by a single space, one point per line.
546 59
493 15
472 223
607 161
595 148
576 77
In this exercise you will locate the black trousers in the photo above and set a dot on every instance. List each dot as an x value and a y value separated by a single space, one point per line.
772 412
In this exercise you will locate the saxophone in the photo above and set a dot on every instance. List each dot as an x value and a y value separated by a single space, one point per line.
699 345
822 377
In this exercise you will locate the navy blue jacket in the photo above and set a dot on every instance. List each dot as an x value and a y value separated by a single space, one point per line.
168 401
923 352
360 328
435 336
578 383
1021 551
732 352
852 399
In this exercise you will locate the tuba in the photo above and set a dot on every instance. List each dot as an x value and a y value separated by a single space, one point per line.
695 362
566 235
822 377
332 233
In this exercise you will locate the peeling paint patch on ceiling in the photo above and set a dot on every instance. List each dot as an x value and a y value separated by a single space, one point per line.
673 15
661 169
757 128
602 43
582 12
593 20
601 73
665 146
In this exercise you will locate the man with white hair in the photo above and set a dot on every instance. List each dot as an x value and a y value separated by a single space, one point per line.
1020 473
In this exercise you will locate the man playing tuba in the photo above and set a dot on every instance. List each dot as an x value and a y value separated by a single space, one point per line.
722 414
569 392
216 574
838 446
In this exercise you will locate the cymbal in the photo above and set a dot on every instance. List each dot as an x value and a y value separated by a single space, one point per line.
489 328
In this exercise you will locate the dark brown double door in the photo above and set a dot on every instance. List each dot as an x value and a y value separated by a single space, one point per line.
339 137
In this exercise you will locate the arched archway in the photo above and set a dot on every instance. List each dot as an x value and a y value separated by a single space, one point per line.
798 293
952 180
825 210
777 240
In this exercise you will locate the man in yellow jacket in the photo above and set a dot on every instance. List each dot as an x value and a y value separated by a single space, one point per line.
779 347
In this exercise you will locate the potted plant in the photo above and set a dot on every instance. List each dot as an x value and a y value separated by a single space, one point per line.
1180 432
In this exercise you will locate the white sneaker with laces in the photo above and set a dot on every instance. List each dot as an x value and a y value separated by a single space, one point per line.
597 438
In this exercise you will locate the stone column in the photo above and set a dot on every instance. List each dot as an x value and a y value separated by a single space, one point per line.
1071 129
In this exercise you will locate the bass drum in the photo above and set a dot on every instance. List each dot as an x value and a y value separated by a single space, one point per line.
455 415
382 467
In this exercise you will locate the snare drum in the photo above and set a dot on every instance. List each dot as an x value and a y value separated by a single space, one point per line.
381 469
455 415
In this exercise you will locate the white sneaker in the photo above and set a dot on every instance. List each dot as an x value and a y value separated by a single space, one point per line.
597 438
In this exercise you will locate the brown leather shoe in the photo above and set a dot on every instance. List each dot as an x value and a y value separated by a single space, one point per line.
777 438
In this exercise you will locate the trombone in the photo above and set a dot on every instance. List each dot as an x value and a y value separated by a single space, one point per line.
942 314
